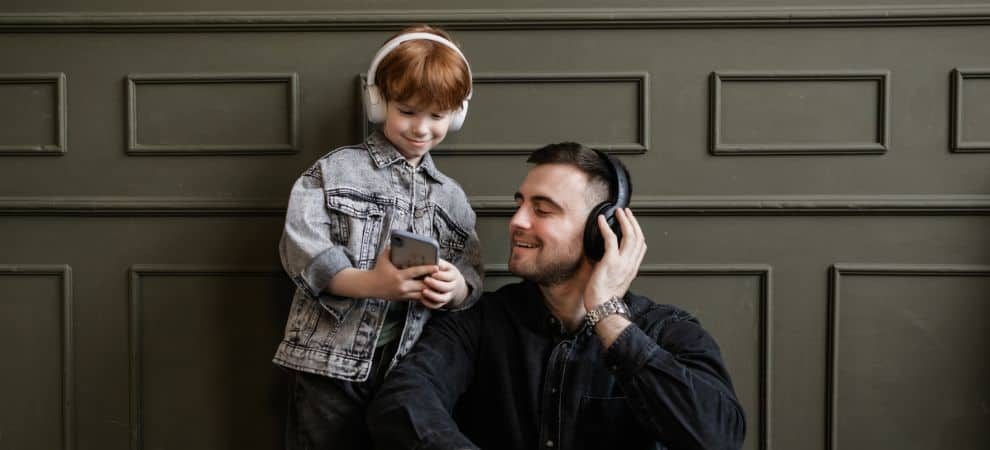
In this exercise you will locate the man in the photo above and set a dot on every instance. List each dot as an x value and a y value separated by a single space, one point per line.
567 358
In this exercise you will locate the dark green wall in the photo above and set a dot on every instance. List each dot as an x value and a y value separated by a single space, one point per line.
813 180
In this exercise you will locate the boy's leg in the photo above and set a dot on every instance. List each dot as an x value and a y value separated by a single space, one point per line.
325 413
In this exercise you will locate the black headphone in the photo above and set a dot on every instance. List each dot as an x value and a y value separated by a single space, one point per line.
621 189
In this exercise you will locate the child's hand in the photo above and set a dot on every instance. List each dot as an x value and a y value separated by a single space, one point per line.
444 286
391 283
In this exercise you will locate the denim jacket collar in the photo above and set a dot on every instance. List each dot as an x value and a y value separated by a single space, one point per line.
385 154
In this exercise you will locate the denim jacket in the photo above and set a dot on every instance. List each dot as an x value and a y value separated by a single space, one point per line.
340 213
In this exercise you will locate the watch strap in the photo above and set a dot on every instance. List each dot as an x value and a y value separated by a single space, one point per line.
614 305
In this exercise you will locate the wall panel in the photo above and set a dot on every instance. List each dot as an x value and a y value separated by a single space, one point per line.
33 113
201 341
36 343
904 346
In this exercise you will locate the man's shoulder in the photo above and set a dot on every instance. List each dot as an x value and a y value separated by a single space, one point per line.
649 314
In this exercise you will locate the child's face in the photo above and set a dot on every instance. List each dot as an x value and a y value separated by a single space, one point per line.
414 129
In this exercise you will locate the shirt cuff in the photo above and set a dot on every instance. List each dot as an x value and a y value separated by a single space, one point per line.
630 352
315 278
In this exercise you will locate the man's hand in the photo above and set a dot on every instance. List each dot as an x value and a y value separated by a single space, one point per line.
444 286
618 267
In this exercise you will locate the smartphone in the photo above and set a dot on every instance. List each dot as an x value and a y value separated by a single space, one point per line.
411 249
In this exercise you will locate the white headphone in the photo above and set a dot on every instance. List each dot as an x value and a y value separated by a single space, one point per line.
374 104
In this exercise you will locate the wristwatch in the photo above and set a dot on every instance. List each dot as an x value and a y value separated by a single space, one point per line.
614 305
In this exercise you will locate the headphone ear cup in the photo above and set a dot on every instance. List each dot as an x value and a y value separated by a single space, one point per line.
594 243
374 104
457 120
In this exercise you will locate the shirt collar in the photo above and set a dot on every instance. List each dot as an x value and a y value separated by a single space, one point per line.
385 154
539 318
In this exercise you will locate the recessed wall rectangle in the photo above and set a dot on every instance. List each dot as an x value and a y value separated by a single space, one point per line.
971 111
908 348
36 344
608 111
201 339
33 113
799 113
213 114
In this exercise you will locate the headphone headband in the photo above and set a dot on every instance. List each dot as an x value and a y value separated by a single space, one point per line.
398 40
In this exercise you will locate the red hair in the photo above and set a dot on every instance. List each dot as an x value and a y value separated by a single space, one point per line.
424 72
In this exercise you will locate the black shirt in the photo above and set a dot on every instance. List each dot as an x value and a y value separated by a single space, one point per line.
519 380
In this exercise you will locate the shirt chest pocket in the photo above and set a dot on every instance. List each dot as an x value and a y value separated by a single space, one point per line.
449 234
355 222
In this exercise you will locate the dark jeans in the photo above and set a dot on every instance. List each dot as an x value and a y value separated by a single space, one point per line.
327 413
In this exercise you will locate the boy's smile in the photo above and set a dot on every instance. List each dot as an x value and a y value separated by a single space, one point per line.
414 129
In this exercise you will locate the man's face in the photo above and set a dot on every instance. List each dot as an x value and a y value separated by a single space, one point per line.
547 230
414 129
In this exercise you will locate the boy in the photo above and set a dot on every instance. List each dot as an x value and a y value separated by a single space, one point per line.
354 314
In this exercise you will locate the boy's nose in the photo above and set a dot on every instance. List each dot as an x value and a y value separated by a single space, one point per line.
421 127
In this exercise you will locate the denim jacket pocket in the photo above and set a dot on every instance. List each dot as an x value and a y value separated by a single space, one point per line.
355 221
451 236
337 307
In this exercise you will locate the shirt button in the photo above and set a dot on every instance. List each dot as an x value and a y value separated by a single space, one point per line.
549 444
419 214
553 390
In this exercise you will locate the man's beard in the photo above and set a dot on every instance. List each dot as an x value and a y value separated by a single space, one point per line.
554 273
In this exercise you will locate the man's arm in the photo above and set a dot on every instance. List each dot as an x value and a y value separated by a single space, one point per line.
678 385
413 407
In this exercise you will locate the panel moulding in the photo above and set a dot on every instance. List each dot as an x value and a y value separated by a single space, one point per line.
836 273
504 206
504 19
64 272
139 271
60 115
959 145
136 148
880 146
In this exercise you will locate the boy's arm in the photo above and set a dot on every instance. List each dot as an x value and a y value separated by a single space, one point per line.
308 254
318 265
413 407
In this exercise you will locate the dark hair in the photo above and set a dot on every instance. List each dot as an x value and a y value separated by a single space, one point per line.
600 179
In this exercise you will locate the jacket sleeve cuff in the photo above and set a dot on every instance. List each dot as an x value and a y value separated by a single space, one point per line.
316 276
630 352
